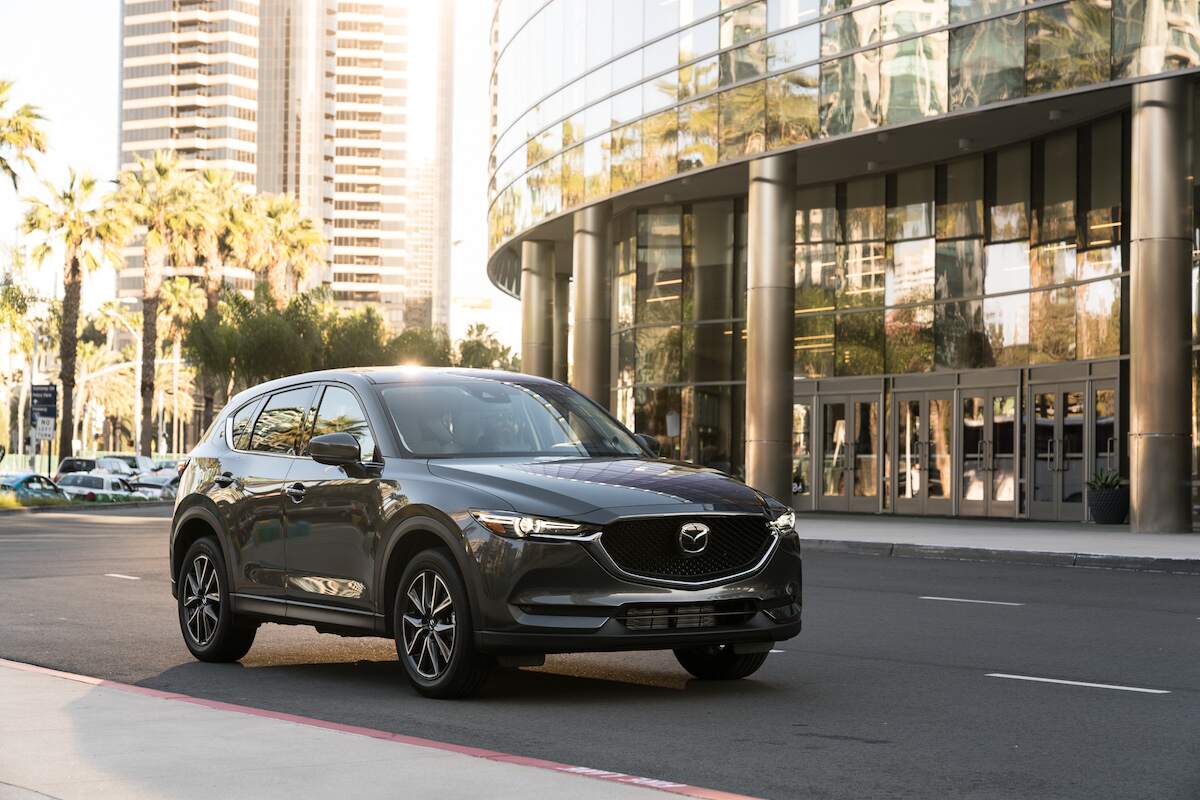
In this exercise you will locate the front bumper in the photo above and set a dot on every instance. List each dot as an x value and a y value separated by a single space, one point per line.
552 597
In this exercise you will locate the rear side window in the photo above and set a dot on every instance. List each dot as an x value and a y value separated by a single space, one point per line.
92 482
281 422
241 425
341 413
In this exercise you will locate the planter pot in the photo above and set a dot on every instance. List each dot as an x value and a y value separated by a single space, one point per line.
1108 506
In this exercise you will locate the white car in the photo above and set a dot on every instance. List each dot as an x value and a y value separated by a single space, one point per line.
157 486
99 487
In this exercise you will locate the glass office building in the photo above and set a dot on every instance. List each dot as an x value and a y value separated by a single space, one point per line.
912 256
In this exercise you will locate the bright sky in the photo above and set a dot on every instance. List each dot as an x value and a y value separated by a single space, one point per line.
64 56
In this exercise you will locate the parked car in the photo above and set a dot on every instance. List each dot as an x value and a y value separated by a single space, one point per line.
69 465
476 518
30 486
99 487
135 464
157 486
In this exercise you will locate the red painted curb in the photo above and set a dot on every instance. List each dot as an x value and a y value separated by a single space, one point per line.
416 741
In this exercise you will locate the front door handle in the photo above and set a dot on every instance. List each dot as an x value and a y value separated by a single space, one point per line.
296 491
224 479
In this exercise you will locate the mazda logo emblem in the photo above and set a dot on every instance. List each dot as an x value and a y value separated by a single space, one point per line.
693 538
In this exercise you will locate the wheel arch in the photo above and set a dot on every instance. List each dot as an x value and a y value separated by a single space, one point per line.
411 536
195 520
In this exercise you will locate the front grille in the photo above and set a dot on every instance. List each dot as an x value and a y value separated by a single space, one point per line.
649 617
650 547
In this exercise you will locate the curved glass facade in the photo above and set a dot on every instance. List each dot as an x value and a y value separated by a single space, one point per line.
595 98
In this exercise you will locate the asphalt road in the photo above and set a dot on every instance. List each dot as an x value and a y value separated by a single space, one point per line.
885 694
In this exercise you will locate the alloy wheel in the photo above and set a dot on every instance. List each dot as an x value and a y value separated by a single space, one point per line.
202 600
428 625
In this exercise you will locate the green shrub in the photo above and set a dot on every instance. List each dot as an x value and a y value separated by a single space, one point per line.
1104 479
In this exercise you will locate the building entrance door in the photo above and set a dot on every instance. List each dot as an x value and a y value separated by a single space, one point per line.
1058 450
849 452
923 460
989 445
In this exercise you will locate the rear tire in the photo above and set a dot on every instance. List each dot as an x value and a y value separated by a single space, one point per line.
718 662
211 631
435 640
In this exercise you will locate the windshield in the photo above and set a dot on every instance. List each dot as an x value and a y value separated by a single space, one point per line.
460 416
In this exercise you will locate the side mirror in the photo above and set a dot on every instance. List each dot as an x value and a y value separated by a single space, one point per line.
335 449
648 442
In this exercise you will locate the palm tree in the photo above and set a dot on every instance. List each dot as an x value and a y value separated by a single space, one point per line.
181 302
293 245
161 198
14 304
20 135
90 233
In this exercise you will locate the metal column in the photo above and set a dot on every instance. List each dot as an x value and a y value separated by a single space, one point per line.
1160 312
770 325
562 291
593 301
537 313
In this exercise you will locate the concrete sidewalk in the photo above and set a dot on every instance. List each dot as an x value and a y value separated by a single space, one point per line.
1058 544
69 736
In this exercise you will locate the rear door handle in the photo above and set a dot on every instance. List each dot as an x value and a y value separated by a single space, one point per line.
296 491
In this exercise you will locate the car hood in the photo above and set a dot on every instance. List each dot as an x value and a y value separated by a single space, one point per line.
575 487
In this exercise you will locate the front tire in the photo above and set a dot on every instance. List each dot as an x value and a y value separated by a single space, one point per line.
210 629
718 662
432 624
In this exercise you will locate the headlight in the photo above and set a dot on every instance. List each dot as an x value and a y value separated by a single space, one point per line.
522 526
785 523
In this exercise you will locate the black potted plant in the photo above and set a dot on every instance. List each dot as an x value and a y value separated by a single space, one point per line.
1107 499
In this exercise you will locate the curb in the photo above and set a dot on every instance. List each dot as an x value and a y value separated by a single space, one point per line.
1174 566
70 507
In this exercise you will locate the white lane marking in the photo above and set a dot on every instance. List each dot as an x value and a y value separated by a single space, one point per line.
964 600
777 651
1077 683
122 577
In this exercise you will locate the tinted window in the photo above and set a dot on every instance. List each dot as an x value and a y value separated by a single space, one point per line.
341 413
281 422
242 418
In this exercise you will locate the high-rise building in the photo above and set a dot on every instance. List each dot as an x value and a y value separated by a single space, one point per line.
309 98
900 257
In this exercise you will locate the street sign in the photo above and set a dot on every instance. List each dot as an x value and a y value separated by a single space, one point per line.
43 429
45 400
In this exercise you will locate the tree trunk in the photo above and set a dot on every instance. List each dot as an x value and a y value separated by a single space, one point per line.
68 345
175 428
277 281
214 274
153 259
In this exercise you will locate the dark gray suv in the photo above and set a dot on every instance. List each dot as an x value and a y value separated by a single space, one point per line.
477 518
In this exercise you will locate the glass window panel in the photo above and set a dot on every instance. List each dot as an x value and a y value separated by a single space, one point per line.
816 276
627 24
959 341
1006 267
850 93
572 177
281 422
816 214
626 358
743 63
1008 207
1051 264
659 93
908 334
545 188
660 16
802 448
599 32
659 354
865 209
910 212
744 24
813 347
660 56
966 10
1067 45
698 78
660 139
692 10
699 40
710 273
1102 205
626 144
657 414
626 70
1006 325
833 449
850 31
595 168
834 6
862 271
626 106
987 62
960 198
572 129
903 17
786 13
340 412
743 120
792 107
910 272
1096 263
866 451
712 427
1152 36
1054 211
859 344
1052 325
597 118
1098 314
958 269
698 134
626 292
913 79
792 48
